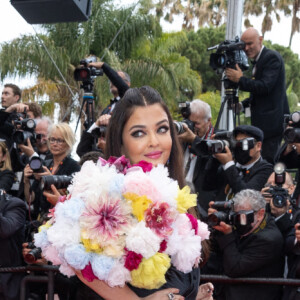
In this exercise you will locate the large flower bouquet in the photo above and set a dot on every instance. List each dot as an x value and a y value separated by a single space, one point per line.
123 223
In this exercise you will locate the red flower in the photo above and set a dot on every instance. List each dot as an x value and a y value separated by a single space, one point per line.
88 273
121 163
163 246
146 166
159 218
194 222
132 260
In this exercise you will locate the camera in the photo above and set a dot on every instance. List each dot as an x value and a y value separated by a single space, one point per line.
179 125
185 111
292 135
228 54
24 129
36 164
223 139
85 73
33 255
99 132
223 214
279 194
59 181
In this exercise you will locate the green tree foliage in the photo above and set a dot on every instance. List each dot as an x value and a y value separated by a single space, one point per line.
68 43
196 51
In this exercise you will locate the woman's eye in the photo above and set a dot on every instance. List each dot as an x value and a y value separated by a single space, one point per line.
138 133
163 129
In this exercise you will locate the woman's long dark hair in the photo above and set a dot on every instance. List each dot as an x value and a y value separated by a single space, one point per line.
139 97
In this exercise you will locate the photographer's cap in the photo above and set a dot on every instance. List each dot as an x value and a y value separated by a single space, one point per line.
251 131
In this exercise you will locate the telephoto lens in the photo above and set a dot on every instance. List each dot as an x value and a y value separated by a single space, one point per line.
59 181
36 164
33 255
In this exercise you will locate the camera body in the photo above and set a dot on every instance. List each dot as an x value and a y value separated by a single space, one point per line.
33 255
222 215
279 196
185 110
99 132
24 129
292 135
223 139
228 54
85 73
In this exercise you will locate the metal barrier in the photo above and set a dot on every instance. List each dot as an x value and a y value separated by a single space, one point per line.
51 270
275 281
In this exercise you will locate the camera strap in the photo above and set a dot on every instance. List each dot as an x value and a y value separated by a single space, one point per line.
210 132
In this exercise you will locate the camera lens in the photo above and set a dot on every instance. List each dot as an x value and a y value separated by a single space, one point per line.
279 201
35 164
179 127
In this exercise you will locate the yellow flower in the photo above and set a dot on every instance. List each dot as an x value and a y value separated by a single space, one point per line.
185 199
90 246
139 204
151 272
45 226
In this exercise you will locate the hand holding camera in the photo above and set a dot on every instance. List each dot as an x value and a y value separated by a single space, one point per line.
234 75
219 216
187 136
297 232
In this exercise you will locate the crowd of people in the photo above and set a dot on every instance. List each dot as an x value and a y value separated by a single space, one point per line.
248 200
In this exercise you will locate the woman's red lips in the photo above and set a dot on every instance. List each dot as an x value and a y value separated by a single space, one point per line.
154 154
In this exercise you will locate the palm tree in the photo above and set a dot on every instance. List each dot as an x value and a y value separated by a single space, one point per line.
68 43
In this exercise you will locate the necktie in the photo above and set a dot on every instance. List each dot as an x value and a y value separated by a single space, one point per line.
112 101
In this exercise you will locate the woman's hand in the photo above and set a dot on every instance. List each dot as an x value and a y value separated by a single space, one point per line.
45 173
27 173
167 294
52 197
205 291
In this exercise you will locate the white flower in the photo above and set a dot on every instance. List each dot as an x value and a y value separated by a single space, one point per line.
143 240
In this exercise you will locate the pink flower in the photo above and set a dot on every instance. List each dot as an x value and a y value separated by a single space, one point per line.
51 212
146 166
159 218
163 246
194 222
88 273
121 163
132 260
106 219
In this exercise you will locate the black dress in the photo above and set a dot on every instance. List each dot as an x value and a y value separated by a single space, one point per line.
187 284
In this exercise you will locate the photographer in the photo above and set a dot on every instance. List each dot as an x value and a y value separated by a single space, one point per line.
119 84
199 115
247 170
268 101
252 249
289 154
60 140
12 221
10 97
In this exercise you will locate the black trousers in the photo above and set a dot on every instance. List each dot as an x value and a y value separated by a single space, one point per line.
270 148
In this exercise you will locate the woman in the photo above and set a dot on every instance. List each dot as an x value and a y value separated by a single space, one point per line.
60 141
141 128
6 173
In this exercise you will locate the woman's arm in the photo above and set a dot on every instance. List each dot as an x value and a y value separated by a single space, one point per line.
125 293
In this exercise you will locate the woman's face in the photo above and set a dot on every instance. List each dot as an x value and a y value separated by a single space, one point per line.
146 136
57 144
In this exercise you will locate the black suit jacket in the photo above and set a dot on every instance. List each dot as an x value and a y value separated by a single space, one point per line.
268 100
216 178
117 81
257 255
12 221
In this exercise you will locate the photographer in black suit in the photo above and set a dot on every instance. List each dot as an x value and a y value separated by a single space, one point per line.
12 222
268 101
247 170
200 116
251 246
119 84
